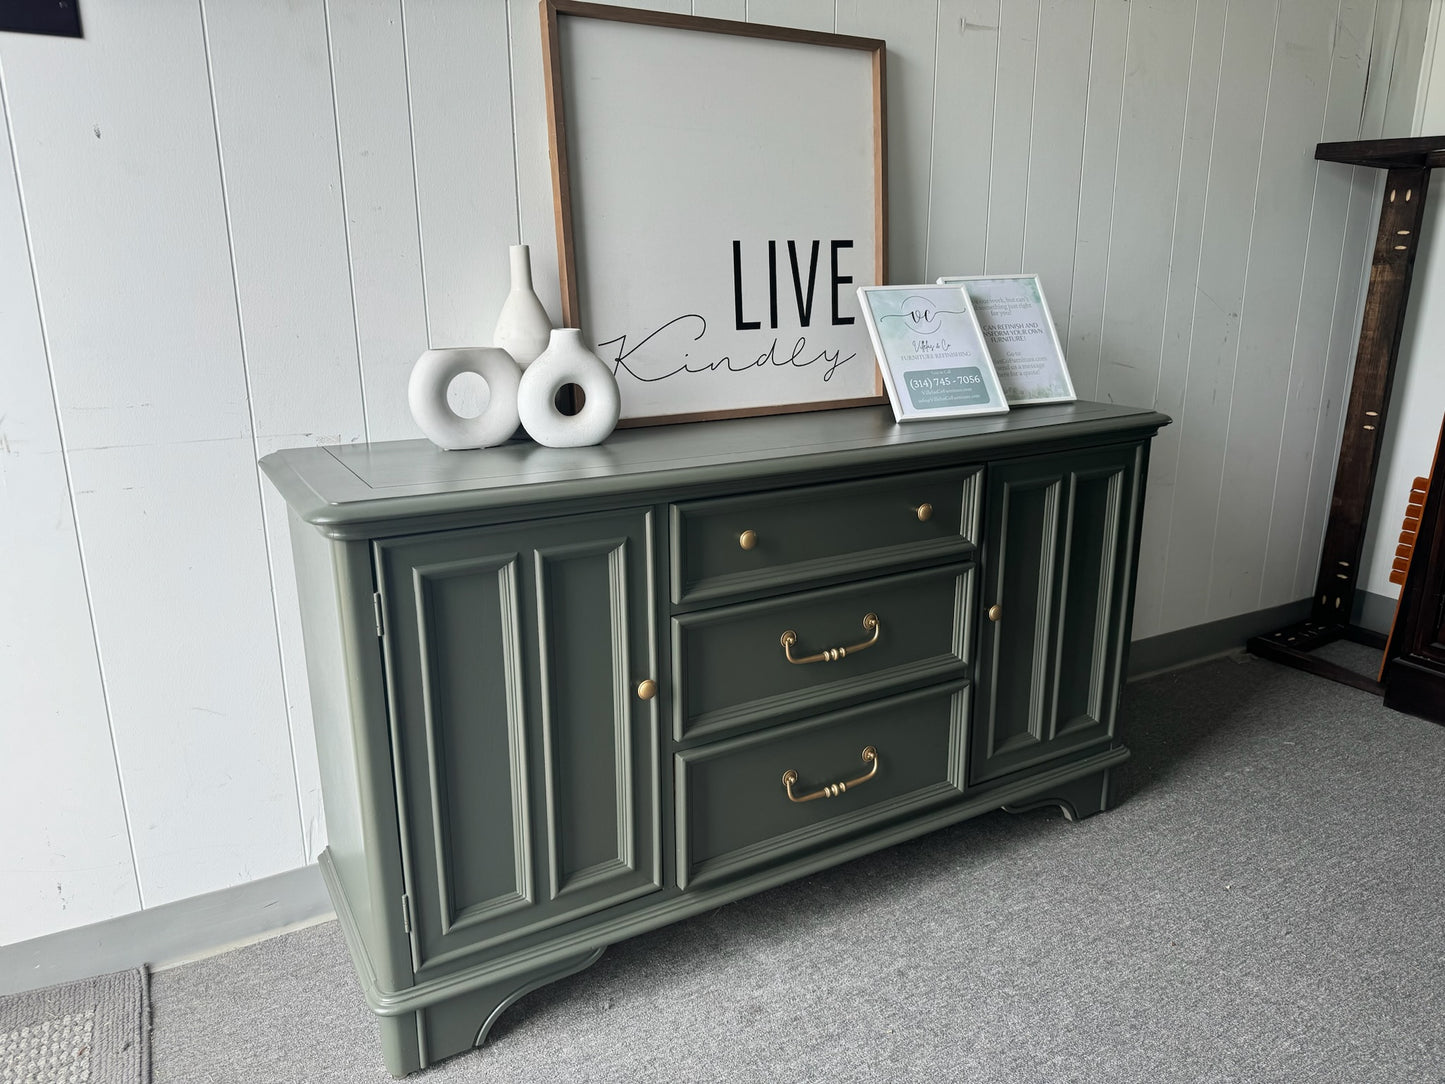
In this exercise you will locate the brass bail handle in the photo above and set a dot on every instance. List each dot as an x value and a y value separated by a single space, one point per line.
832 790
831 654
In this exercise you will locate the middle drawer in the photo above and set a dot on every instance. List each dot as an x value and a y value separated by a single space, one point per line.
731 670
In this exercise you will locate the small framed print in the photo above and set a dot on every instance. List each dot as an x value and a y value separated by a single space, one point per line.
931 352
1022 341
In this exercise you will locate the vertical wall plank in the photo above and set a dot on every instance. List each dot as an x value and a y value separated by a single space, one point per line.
1013 117
287 227
1301 70
962 137
1180 304
1151 135
458 69
368 71
1096 194
534 170
737 10
803 14
1056 152
116 150
910 28
1233 175
71 863
1329 210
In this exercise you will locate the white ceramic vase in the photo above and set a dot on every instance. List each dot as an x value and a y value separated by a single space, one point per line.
523 327
568 361
426 394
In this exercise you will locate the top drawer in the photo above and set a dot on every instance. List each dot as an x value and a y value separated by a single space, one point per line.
734 544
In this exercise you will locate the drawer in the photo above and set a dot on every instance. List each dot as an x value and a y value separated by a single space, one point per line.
734 812
731 670
814 532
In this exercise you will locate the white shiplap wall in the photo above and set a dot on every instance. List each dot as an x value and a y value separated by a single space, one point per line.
229 226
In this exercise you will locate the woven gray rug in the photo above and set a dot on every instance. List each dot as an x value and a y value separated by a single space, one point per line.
91 1032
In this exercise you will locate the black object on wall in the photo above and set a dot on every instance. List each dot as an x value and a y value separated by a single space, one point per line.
58 17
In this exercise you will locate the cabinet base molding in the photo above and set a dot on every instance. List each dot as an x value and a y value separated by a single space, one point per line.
1078 799
440 1018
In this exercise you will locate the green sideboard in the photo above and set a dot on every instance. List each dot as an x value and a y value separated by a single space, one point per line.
565 696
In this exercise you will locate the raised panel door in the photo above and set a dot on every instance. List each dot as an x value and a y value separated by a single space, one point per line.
526 765
1055 576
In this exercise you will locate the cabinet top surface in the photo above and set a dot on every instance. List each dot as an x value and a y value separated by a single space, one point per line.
348 484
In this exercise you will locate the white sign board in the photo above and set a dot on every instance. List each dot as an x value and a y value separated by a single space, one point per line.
1021 337
717 207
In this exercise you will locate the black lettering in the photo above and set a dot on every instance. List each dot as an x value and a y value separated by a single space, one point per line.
838 280
773 284
744 325
805 306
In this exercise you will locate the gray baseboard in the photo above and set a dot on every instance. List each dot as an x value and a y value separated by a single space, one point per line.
1174 649
168 933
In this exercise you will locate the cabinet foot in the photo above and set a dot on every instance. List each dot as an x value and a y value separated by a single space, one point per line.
416 1040
1080 798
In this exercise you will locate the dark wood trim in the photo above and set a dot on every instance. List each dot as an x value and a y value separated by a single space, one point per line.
735 27
550 11
1420 152
1396 242
1293 647
557 154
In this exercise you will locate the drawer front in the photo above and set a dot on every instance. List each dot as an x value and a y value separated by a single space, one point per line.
734 812
812 532
732 672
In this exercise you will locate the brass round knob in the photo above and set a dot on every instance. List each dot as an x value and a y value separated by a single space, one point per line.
924 511
646 690
995 612
748 539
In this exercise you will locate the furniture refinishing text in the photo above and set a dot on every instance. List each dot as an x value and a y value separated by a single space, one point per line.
565 696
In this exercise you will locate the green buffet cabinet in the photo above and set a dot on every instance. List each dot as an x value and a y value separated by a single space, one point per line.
565 696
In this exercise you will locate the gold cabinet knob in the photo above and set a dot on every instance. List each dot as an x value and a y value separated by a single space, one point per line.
924 511
995 612
748 539
646 690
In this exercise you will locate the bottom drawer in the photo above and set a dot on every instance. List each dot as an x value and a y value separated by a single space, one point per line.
733 808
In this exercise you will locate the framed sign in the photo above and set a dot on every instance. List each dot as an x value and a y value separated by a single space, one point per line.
931 352
1021 337
720 195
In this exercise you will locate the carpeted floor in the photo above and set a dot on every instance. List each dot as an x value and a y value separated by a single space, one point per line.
1265 903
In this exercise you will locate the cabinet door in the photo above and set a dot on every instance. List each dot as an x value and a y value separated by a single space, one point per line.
1056 591
527 767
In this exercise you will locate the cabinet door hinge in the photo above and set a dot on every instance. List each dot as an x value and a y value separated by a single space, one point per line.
376 608
406 913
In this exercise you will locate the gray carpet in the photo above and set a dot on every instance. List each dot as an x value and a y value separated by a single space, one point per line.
91 1032
1265 903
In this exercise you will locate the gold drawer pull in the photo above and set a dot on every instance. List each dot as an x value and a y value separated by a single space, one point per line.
924 512
832 790
647 689
748 539
831 654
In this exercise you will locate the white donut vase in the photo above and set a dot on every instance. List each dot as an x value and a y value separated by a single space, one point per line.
568 361
426 394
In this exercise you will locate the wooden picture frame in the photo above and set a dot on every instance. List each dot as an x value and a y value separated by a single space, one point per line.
713 279
931 352
1022 338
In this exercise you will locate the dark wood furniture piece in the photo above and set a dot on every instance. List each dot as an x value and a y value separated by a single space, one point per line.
562 697
1408 163
1414 672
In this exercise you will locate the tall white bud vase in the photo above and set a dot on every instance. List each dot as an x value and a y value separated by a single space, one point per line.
568 361
523 326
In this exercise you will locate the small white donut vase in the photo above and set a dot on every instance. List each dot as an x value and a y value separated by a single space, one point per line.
426 394
568 361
